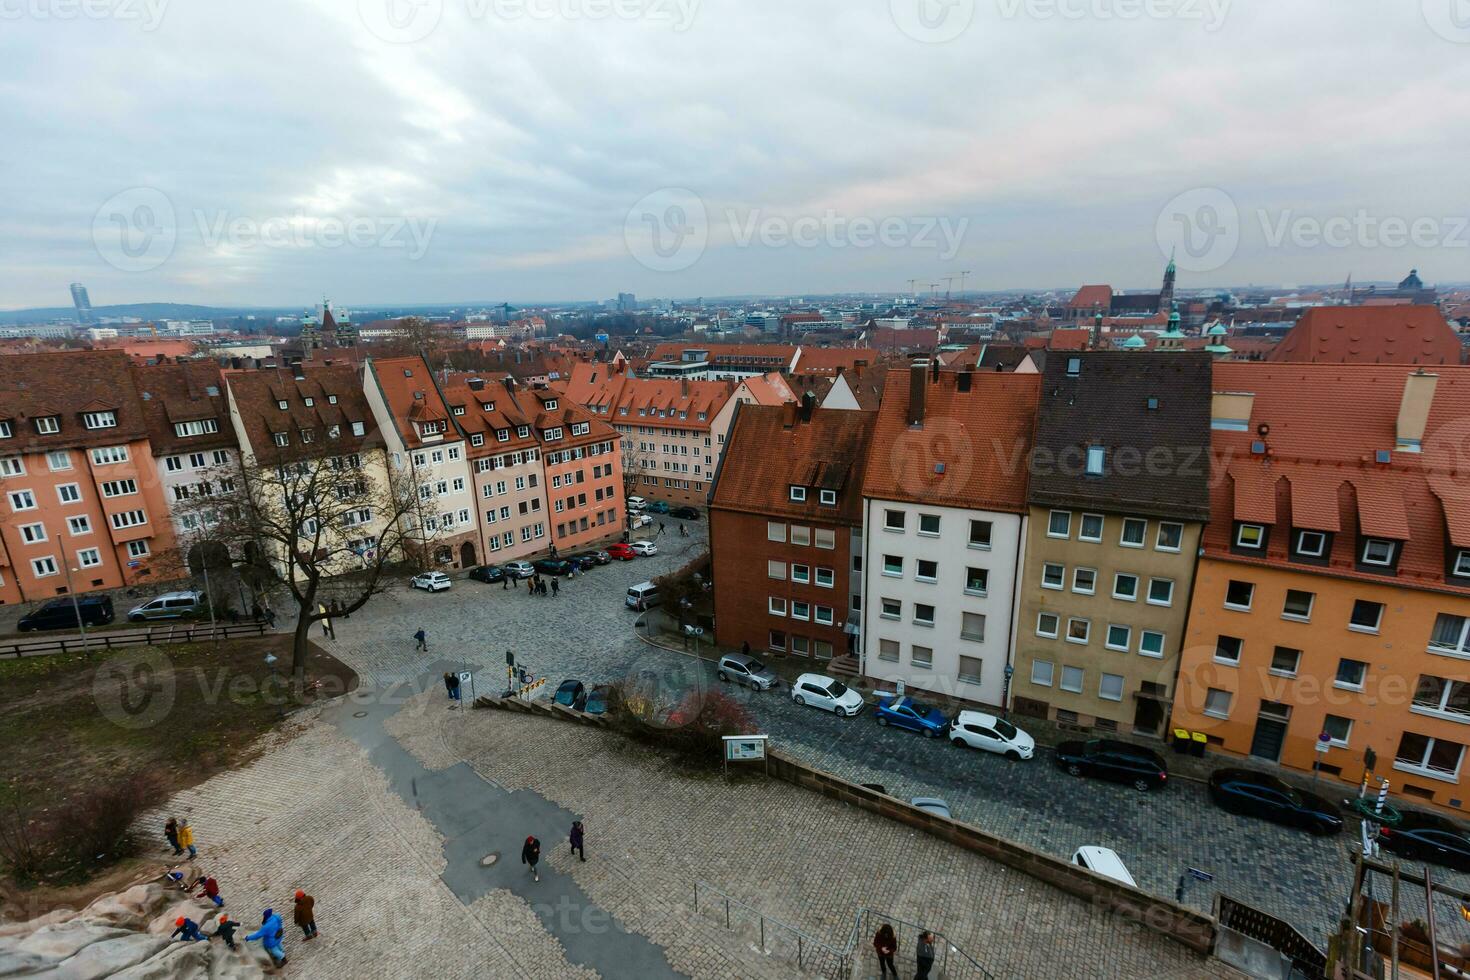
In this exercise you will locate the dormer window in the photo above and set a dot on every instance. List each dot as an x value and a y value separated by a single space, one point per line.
581 428
1074 367
198 427
1311 544
487 406
459 410
306 435
281 404
99 420
523 431
309 402
282 439
1097 458
333 431
798 494
331 399
550 404
358 428
1379 552
828 498
1250 536
551 435
48 425
503 435
1461 567
477 439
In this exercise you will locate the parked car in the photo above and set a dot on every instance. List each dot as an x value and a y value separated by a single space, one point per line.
571 693
489 574
1104 861
1257 794
932 804
519 569
170 605
827 693
60 614
1427 837
659 506
684 513
745 669
916 716
636 503
431 581
590 559
988 733
635 521
643 596
644 548
621 552
1119 762
553 566
595 703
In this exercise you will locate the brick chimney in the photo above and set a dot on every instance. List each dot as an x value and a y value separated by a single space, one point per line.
917 381
1414 410
808 403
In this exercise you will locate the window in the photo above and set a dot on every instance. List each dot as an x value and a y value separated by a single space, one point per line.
6 430
1161 592
1119 637
79 524
99 420
1298 605
775 531
1059 524
137 549
798 494
1377 551
972 627
22 500
119 488
1217 703
1151 643
1134 530
929 524
282 439
927 570
1053 576
89 558
1084 580
980 532
824 615
1091 528
1436 757
1338 730
888 650
1047 625
1351 673
1042 672
1078 629
1252 536
1227 650
1110 688
42 567
892 609
199 427
827 498
1238 595
129 518
801 573
825 578
1443 696
109 454
357 428
1097 458
1451 635
33 533
892 565
774 569
1125 586
777 640
48 425
800 610
825 538
1074 366
977 581
776 606
923 614
969 670
1285 662
1462 564
1311 544
1072 679
1366 616
894 520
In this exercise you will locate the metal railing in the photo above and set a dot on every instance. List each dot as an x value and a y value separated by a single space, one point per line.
150 636
949 960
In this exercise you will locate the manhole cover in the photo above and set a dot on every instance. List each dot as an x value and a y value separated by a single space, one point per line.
488 860
359 714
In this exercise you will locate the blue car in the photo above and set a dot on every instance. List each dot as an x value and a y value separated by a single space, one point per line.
571 693
916 716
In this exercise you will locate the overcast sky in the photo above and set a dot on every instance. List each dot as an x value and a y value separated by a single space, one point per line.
402 151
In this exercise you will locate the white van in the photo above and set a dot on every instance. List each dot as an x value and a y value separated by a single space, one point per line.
643 596
1104 861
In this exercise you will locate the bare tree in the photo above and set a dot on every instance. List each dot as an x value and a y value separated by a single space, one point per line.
633 466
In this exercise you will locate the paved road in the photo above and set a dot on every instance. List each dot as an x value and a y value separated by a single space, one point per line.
587 633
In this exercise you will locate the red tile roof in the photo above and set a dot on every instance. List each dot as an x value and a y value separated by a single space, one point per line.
1370 335
407 385
257 396
770 449
666 402
190 391
1092 297
65 384
827 360
1069 338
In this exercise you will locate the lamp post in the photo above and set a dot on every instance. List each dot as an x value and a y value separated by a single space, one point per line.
76 606
1005 694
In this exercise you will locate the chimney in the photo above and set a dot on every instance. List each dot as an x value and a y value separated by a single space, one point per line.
1414 410
808 402
963 381
788 414
684 387
917 371
936 369
859 365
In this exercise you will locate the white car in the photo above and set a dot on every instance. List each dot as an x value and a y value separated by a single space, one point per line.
637 503
644 548
1104 861
827 693
991 734
431 581
635 521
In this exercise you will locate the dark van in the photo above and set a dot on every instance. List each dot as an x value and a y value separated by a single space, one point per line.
61 614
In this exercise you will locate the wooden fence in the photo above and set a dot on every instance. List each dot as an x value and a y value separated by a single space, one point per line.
113 639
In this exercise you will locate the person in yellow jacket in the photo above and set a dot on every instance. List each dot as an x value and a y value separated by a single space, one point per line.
186 838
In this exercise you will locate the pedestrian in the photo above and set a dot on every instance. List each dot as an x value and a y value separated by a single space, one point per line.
171 831
449 684
924 955
504 582
209 888
886 944
186 837
577 838
225 929
255 611
530 854
541 588
270 934
660 528
555 588
305 914
421 641
270 617
454 686
186 929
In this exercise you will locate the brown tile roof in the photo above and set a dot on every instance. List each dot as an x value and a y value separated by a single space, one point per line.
408 388
770 448
1370 335
1325 423
776 356
257 395
827 360
1092 297
189 391
1069 338
506 415
666 402
971 449
1157 459
65 384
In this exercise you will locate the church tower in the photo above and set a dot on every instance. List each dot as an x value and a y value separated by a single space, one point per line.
1166 294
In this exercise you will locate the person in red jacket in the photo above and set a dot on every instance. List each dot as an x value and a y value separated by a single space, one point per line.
886 944
209 888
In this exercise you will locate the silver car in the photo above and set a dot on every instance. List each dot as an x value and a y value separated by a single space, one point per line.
171 605
744 669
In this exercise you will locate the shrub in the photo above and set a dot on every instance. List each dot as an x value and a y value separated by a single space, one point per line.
693 726
92 828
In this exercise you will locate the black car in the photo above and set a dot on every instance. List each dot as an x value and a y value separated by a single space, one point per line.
1118 762
60 614
684 513
489 574
1426 837
553 566
590 559
1256 794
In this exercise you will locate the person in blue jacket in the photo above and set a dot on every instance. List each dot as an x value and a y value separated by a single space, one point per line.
270 934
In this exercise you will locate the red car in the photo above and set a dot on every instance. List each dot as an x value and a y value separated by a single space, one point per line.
621 552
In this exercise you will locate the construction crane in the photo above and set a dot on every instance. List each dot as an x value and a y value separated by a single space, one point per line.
911 287
948 287
963 275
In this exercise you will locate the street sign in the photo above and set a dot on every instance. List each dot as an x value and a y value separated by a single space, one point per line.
1199 875
1324 742
510 659
464 676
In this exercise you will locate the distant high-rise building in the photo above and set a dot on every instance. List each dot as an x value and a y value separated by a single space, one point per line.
82 302
627 303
